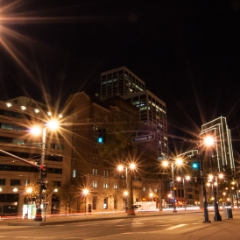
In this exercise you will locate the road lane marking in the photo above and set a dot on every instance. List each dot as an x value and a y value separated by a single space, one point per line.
177 226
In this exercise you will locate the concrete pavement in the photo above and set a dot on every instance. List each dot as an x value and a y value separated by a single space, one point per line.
226 229
68 218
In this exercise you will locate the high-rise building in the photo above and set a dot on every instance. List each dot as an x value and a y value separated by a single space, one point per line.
120 82
223 143
152 110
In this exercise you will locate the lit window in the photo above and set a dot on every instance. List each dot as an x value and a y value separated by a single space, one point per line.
94 184
105 185
105 173
115 186
94 171
74 174
144 189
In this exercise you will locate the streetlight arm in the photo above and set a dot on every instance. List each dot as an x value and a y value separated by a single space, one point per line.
20 159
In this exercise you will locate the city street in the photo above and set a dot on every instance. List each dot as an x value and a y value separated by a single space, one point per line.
165 226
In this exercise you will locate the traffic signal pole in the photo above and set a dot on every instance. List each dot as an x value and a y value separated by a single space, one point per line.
38 216
204 192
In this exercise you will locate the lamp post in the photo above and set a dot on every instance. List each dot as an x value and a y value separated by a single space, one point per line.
213 182
125 194
85 193
236 192
178 162
36 130
208 141
204 192
151 196
128 170
184 190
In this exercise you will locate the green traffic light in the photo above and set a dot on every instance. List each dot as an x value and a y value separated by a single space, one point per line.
195 165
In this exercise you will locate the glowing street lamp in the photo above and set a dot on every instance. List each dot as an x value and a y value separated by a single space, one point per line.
125 194
37 130
184 190
151 195
128 169
208 142
177 162
85 193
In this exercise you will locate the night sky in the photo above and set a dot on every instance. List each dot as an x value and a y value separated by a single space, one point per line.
187 52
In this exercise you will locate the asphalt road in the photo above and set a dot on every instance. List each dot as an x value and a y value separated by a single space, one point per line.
172 226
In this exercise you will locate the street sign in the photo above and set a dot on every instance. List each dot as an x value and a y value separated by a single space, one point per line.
143 138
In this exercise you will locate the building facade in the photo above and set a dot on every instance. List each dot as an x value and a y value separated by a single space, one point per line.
219 130
90 167
152 111
17 116
120 82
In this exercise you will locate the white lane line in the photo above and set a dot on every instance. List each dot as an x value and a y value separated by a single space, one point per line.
57 225
177 226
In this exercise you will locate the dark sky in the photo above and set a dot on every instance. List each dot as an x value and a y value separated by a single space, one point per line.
186 51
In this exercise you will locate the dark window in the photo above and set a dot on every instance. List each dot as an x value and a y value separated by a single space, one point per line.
17 168
55 170
57 183
15 182
9 197
115 203
94 203
2 182
105 163
54 158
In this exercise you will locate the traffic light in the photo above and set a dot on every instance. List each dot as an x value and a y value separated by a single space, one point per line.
43 170
195 165
101 136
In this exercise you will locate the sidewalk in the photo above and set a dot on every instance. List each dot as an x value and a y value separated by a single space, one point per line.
68 218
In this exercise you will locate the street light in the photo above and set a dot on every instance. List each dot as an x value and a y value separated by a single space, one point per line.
151 196
85 193
125 194
37 130
177 162
128 170
213 182
208 141
184 190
